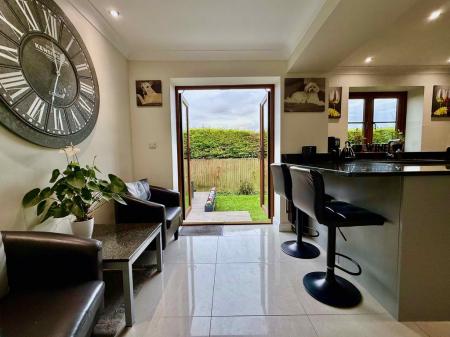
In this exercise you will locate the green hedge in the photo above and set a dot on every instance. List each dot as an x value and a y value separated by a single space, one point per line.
223 143
380 135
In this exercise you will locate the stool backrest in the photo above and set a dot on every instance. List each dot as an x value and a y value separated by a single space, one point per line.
308 192
282 183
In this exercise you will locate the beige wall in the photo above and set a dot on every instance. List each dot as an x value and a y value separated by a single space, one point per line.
153 125
435 133
24 165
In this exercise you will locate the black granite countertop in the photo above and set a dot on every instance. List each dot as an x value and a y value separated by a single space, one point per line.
381 168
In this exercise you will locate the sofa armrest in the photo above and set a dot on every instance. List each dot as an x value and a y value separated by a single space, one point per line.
165 196
137 210
45 260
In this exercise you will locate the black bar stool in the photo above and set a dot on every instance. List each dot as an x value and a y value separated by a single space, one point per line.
308 194
282 184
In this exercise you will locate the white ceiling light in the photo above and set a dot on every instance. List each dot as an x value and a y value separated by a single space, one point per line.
368 59
434 15
448 60
114 13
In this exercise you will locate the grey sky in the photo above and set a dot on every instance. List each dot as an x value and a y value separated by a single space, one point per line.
226 109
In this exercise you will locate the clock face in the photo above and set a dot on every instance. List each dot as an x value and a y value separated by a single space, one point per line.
48 87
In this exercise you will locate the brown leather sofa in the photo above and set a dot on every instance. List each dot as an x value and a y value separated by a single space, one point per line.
55 282
146 203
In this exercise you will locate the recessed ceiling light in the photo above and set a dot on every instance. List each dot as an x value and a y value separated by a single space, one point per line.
448 60
114 13
368 59
434 15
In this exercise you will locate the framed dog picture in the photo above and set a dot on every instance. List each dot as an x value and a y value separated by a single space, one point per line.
440 106
148 93
334 102
304 95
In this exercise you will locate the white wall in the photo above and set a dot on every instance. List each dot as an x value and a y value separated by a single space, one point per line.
414 120
25 166
435 133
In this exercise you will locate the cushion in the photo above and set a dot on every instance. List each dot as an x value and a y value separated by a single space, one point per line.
344 214
139 189
67 311
3 275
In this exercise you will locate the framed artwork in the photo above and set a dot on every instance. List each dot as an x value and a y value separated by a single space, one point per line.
334 102
440 106
304 95
148 93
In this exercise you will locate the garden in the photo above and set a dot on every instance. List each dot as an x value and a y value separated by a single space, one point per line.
228 160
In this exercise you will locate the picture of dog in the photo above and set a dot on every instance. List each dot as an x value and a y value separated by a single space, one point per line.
304 95
148 93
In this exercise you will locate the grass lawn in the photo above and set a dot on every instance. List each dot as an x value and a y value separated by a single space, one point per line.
237 202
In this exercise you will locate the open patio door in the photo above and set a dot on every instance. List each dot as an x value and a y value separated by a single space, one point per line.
186 151
263 153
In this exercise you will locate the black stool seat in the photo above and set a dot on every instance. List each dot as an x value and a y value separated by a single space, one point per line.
343 214
308 194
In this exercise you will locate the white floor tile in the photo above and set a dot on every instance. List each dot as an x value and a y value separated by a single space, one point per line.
253 289
188 290
192 249
179 327
362 326
262 326
435 329
244 230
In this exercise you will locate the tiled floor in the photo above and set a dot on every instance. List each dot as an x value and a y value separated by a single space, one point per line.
240 284
198 214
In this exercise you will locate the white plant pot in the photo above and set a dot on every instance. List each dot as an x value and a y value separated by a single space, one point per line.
83 229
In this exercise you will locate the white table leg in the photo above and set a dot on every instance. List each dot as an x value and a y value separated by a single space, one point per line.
127 279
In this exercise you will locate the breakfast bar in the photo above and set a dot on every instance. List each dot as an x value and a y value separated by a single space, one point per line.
406 261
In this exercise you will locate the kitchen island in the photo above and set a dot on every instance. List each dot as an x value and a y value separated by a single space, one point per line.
406 262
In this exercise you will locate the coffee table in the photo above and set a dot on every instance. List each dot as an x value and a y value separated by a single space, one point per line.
122 244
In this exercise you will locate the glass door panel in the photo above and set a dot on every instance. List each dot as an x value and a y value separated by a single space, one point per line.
264 151
187 194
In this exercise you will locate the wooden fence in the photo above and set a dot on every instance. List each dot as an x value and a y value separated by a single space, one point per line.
225 174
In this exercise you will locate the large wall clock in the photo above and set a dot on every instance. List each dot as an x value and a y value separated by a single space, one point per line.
48 87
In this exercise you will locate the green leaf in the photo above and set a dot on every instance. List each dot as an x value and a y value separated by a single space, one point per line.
41 207
60 212
117 185
55 175
76 180
93 186
31 198
119 199
77 211
86 195
45 193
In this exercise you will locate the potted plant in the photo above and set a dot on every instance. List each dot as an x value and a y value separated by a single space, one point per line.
75 191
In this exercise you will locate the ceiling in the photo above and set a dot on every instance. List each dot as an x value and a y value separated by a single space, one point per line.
311 35
208 29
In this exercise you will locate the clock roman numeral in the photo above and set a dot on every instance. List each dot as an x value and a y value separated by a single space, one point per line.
81 67
17 32
9 53
37 109
51 24
70 44
88 89
27 13
57 120
75 119
85 105
14 84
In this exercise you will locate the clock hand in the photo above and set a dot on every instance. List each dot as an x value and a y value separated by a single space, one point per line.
54 58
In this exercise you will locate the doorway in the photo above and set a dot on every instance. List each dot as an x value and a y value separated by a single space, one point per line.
224 163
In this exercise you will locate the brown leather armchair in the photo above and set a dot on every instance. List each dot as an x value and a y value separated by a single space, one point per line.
152 204
56 286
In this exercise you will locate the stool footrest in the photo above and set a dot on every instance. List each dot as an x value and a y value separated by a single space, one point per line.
352 261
